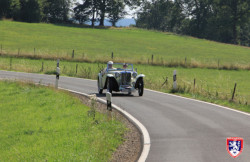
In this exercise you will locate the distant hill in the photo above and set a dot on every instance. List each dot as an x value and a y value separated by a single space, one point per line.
125 22
120 23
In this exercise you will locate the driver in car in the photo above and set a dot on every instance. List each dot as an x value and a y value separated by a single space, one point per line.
109 66
125 66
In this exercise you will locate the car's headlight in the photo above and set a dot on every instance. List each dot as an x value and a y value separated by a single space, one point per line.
134 74
117 75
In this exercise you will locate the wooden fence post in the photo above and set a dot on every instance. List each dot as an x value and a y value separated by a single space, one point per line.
234 91
76 68
11 63
42 67
57 73
175 80
194 83
73 53
152 59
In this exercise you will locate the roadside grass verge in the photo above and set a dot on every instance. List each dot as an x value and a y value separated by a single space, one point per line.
43 124
48 41
210 85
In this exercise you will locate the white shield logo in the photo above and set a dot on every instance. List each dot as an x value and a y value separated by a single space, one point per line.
234 146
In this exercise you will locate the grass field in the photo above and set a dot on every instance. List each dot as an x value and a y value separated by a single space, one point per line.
128 44
43 124
211 85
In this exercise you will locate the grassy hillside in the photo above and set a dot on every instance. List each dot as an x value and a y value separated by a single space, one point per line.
128 44
41 124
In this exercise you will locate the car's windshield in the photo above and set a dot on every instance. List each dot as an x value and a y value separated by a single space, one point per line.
121 67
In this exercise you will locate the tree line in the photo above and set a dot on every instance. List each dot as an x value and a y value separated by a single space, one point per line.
97 10
63 11
53 11
220 20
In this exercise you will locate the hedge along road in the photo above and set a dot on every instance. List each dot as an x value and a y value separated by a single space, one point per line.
180 129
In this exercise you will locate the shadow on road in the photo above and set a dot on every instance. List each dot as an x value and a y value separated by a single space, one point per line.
115 95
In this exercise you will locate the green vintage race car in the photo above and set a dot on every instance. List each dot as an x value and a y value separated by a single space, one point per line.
120 77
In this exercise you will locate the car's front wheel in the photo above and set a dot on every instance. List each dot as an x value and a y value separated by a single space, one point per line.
109 85
140 87
98 85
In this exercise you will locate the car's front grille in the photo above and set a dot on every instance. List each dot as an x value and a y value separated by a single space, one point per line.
125 78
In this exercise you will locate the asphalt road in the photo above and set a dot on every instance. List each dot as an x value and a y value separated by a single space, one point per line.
180 129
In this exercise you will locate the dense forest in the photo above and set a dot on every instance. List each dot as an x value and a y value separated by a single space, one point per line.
220 20
53 11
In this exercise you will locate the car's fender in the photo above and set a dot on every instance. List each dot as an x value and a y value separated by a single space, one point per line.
110 75
137 78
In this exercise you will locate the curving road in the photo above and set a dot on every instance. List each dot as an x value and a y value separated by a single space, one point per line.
180 129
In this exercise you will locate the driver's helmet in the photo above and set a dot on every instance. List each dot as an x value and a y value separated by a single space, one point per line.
110 64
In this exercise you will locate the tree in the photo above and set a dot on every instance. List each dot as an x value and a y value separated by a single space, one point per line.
87 11
5 8
143 16
15 9
94 12
99 9
10 9
30 11
83 11
237 13
244 34
56 11
115 11
198 11
102 6
160 15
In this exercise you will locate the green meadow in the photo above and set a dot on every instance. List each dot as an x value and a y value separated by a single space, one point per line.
127 44
210 84
43 124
